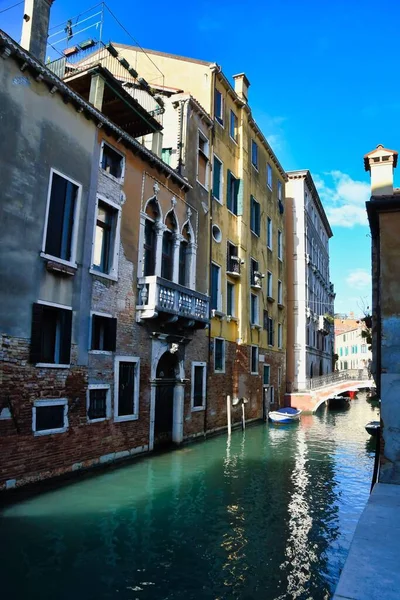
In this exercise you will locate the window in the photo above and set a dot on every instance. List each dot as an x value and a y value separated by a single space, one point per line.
217 234
61 222
363 349
269 176
346 351
341 351
280 335
230 299
166 154
149 258
215 287
254 304
219 355
202 159
217 179
268 321
51 335
112 162
280 293
280 246
255 275
254 360
269 233
279 190
232 259
219 107
167 255
254 154
232 193
233 126
269 284
126 388
183 262
50 416
254 216
266 374
106 238
104 333
198 385
98 402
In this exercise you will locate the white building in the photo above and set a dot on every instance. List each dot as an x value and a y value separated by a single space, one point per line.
310 292
352 350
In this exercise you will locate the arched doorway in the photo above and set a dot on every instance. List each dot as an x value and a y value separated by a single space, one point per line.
166 374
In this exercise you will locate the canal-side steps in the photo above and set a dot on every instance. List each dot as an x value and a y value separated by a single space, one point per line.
371 571
316 391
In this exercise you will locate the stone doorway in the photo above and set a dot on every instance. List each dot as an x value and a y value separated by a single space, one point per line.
166 376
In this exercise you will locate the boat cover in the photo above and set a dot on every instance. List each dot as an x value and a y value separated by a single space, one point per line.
288 410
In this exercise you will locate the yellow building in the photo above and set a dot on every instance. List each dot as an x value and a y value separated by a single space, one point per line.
247 272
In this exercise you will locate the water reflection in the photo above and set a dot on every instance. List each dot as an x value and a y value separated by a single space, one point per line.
267 514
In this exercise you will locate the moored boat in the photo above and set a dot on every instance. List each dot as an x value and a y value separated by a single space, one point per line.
288 414
337 402
373 427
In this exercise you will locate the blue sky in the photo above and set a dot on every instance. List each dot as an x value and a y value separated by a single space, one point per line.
323 90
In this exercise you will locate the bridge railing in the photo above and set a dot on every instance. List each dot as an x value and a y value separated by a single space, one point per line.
337 377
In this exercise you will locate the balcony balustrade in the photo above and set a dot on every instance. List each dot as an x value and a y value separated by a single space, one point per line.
171 302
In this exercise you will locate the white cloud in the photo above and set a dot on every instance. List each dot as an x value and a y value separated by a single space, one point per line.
359 279
344 198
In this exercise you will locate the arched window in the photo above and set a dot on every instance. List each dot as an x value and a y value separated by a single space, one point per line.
183 256
167 262
149 258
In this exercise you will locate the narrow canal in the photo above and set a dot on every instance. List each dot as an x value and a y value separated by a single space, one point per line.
268 515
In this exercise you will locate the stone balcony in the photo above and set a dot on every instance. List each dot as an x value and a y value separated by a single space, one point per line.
171 303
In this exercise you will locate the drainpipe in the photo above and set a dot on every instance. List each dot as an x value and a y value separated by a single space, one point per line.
180 144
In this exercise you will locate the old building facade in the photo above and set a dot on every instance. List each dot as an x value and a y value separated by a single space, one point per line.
310 292
247 272
384 218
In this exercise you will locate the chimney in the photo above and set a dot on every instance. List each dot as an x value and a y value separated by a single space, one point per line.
35 28
380 163
242 85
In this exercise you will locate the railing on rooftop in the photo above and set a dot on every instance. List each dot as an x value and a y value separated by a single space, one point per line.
91 53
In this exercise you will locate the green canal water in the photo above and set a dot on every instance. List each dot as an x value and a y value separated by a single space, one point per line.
267 515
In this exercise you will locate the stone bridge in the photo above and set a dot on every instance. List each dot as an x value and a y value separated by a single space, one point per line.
316 391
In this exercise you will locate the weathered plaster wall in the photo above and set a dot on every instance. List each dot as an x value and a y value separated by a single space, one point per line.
390 345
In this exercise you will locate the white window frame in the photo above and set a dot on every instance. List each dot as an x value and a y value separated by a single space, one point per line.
269 176
254 201
50 402
75 228
223 355
98 314
203 405
98 386
280 245
219 301
280 292
257 359
280 336
113 274
254 143
270 288
205 139
269 233
266 385
220 200
55 365
117 179
135 415
257 321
